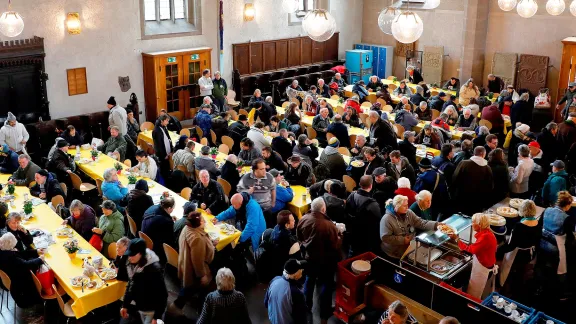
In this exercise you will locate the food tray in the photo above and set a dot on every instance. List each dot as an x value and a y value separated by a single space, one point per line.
423 255
452 257
521 308
541 318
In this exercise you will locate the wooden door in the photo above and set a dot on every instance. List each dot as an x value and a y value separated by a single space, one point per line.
317 52
306 50
256 58
242 58
269 56
532 72
170 79
281 54
193 65
567 68
294 51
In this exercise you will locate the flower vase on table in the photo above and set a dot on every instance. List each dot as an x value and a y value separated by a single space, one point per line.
94 154
71 247
118 168
240 165
214 152
10 187
132 182
28 208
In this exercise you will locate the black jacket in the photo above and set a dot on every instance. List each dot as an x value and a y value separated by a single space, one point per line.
229 172
521 111
548 144
416 77
22 288
376 163
75 140
158 137
496 86
159 226
237 132
138 201
384 135
51 187
445 166
173 124
408 150
416 99
266 112
283 146
381 192
298 176
60 163
212 196
220 128
25 244
317 190
461 156
341 132
363 223
436 103
275 162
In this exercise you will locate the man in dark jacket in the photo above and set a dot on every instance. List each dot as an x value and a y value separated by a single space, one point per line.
26 172
159 226
495 84
548 143
334 202
472 184
163 144
333 160
407 148
568 98
220 91
383 187
229 172
173 123
433 181
399 167
284 299
138 202
323 89
437 102
8 160
273 159
566 135
298 173
340 131
283 144
208 194
466 152
61 163
443 163
46 187
364 216
219 126
320 124
381 133
238 131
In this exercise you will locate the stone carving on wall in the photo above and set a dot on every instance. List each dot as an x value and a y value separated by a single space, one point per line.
504 66
532 72
402 48
432 63
124 83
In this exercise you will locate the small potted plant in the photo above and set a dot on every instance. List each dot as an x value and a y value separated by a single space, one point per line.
71 247
395 79
340 100
10 187
214 152
490 95
118 167
94 154
240 165
28 207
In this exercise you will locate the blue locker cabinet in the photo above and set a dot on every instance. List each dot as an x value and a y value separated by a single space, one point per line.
383 58
359 65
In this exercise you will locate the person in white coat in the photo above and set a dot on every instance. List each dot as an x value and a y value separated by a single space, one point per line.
118 116
14 134
146 166
205 83
256 134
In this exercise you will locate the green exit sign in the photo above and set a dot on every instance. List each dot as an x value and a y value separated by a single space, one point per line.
172 59
195 56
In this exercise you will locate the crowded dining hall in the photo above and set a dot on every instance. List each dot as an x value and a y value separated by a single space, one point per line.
287 161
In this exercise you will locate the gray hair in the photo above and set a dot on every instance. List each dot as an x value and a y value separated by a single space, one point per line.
373 113
282 131
327 185
108 173
225 280
77 204
124 241
420 90
8 242
203 172
403 182
209 99
217 73
308 97
423 195
24 156
337 118
269 99
423 104
551 126
13 216
466 109
483 130
525 96
399 309
362 136
409 68
116 128
527 209
523 150
408 134
294 81
318 205
232 158
257 91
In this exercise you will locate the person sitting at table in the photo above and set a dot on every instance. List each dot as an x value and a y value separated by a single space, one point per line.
384 94
339 80
418 97
340 131
359 89
453 84
208 194
354 102
283 144
146 166
238 131
333 160
423 112
181 143
310 106
373 161
452 115
407 148
273 160
473 183
138 201
306 149
323 89
26 171
323 103
256 97
133 128
398 225
121 259
299 172
404 190
403 102
381 133
158 224
351 117
441 124
205 162
112 188
82 219
320 124
22 287
61 163
437 102
110 226
276 125
260 185
256 134
403 90
185 157
359 144
422 205
374 84
473 105
8 160
494 116
450 102
505 106
428 137
467 91
248 151
25 242
47 186
466 121
284 193
399 166
405 118
220 125
293 115
73 137
115 146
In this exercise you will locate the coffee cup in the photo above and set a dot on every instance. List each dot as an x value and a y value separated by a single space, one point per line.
507 309
97 262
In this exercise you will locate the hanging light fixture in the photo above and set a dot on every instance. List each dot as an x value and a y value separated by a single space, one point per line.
407 27
573 8
11 23
527 8
386 18
319 25
506 5
432 4
73 23
290 6
555 7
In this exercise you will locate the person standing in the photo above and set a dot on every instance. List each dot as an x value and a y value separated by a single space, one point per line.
220 91
284 298
158 224
472 183
364 219
569 98
495 84
117 116
226 304
14 134
163 145
556 182
205 83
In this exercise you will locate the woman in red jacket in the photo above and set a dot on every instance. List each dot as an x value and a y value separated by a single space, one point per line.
484 251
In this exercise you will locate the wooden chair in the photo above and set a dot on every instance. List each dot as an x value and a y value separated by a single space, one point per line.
285 104
228 141
349 183
99 186
390 78
185 131
199 132
371 98
329 136
133 227
363 118
149 243
225 186
66 308
193 113
352 140
204 141
213 136
186 193
340 110
64 188
7 283
382 102
223 148
32 184
58 199
128 162
295 100
112 251
484 122
58 291
230 99
233 114
434 93
197 174
79 185
335 97
366 104
435 114
392 87
146 126
344 151
387 108
184 169
311 132
171 255
243 111
399 130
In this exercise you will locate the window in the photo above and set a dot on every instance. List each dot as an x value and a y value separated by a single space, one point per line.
167 18
305 5
77 83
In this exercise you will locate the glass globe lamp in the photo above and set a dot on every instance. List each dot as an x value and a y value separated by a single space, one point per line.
506 5
573 8
11 24
319 25
407 27
555 7
527 8
386 18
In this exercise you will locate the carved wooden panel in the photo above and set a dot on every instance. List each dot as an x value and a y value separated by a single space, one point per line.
402 48
532 72
294 51
504 66
432 63
318 52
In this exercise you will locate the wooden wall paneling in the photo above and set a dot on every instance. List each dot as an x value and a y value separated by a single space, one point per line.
242 58
331 48
294 51
256 57
269 56
306 51
318 51
281 54
149 67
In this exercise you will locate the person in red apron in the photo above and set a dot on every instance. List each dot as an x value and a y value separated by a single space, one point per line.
484 252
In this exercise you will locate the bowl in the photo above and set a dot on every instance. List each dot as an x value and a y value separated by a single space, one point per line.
85 146
360 266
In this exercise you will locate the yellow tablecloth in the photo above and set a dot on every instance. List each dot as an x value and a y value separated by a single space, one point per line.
147 137
64 268
95 170
299 206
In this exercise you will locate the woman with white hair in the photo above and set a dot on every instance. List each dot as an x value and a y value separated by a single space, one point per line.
415 76
18 269
226 304
484 251
398 227
520 175
112 188
404 190
397 313
422 205
256 97
452 115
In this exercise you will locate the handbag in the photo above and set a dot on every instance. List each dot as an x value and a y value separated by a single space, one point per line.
46 277
96 242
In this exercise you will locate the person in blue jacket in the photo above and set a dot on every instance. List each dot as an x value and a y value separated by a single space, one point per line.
8 160
556 182
284 193
255 224
359 88
204 119
435 182
112 188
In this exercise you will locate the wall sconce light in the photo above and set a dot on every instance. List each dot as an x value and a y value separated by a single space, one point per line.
73 23
249 12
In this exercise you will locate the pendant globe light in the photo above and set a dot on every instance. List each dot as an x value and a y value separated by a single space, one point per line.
527 8
432 4
506 5
386 18
555 7
319 25
290 6
11 23
407 27
573 8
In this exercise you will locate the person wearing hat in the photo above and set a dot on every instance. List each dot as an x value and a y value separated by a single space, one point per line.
238 131
568 98
138 201
116 145
435 182
383 186
284 299
333 160
284 193
299 173
110 226
204 119
117 116
495 84
132 126
146 286
26 171
205 162
188 208
437 102
536 155
472 184
467 91
556 182
47 186
8 160
14 134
